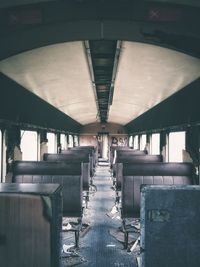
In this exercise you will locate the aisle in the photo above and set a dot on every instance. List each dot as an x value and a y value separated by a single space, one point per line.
98 247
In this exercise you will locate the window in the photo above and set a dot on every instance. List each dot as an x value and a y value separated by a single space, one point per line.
63 141
135 142
176 145
0 155
143 141
155 144
71 141
130 141
29 145
51 142
75 140
3 156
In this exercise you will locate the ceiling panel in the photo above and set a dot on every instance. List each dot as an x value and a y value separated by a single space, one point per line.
147 75
103 57
59 74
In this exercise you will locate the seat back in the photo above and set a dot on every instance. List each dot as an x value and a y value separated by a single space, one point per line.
92 150
113 150
132 159
73 158
67 175
138 174
30 225
82 152
126 154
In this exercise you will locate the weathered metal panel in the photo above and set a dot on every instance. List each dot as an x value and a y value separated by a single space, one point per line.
30 225
170 226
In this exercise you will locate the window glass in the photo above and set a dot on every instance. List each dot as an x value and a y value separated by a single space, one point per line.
51 142
176 146
0 154
75 140
130 141
143 141
135 142
63 141
29 145
155 144
3 157
71 143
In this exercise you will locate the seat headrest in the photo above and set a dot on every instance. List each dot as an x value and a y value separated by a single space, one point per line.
46 168
77 151
123 158
64 157
130 152
158 169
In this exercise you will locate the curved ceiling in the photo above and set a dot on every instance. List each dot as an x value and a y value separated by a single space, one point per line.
116 81
59 74
148 74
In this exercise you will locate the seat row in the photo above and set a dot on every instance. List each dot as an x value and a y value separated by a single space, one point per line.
132 170
70 173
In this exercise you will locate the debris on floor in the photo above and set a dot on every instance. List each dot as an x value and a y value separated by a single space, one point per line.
114 213
70 256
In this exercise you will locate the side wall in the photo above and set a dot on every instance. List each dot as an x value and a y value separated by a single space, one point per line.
181 109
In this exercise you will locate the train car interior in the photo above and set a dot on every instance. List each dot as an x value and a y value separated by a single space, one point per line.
99 133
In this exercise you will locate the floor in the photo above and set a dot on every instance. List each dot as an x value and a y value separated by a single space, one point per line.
98 247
